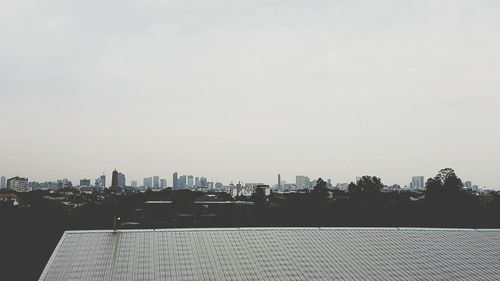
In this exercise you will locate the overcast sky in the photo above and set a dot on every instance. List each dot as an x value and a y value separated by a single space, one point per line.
244 90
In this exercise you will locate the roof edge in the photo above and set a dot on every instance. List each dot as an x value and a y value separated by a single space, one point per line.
271 229
52 258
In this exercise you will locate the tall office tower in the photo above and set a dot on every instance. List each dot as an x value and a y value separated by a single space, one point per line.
417 182
197 182
182 181
163 183
121 180
3 182
103 181
174 181
190 181
148 182
329 183
308 183
114 179
279 181
117 182
156 182
133 183
300 182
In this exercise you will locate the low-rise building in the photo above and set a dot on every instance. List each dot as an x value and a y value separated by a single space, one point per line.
18 184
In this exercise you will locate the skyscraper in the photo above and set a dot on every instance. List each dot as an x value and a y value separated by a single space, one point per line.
417 182
103 181
121 180
163 183
117 182
3 182
114 179
279 181
190 181
148 182
302 182
156 182
133 183
182 181
175 185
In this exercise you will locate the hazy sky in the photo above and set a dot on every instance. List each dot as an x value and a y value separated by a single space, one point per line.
243 90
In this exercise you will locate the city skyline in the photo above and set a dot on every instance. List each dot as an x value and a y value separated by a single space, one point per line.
302 181
243 90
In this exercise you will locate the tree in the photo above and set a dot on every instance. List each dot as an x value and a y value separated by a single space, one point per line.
259 197
353 188
366 189
444 184
369 184
320 192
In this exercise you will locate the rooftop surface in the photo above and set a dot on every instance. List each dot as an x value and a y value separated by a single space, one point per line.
277 254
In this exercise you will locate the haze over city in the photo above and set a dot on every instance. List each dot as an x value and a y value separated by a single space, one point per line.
244 91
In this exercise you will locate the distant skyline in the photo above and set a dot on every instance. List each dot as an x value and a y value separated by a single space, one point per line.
244 90
287 180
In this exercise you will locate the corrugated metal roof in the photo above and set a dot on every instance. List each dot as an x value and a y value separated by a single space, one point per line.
277 254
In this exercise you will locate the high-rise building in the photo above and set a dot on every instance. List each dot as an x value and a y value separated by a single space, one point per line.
133 183
97 183
103 181
3 182
18 184
182 183
302 182
203 182
175 185
279 181
85 183
156 182
197 182
114 179
417 182
468 184
117 182
163 183
148 182
329 183
121 180
190 181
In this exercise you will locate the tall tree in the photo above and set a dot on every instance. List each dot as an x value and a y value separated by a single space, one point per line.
320 192
366 189
446 183
369 184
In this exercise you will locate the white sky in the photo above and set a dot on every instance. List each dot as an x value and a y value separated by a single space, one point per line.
242 90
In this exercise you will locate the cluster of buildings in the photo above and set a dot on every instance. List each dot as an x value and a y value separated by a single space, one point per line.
16 183
190 182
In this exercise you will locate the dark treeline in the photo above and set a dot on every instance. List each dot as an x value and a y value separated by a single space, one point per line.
29 233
